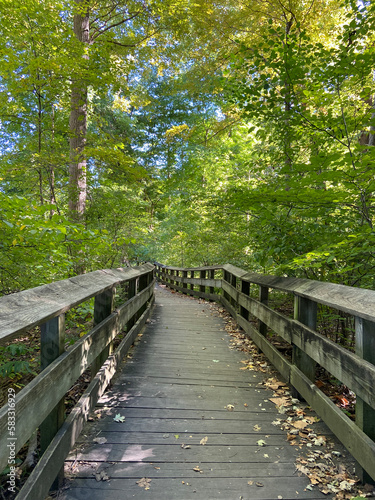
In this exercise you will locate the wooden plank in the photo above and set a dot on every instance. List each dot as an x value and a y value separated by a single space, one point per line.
195 293
40 480
180 470
364 414
32 406
359 445
23 310
115 452
350 369
52 345
356 301
305 311
196 488
198 281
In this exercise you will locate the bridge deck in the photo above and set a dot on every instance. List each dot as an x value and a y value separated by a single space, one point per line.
173 394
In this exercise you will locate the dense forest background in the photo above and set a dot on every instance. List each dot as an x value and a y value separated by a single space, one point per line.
190 133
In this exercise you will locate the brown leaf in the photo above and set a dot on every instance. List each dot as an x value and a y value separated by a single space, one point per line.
285 401
250 483
197 469
300 424
144 483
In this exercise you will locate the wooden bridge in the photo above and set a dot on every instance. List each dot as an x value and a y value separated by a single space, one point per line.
182 419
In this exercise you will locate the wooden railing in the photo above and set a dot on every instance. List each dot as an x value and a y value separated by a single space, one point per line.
41 403
231 286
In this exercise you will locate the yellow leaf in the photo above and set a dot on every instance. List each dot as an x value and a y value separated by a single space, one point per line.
14 242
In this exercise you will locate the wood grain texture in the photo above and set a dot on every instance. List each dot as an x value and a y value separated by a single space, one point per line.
171 397
36 400
353 371
22 311
357 442
41 478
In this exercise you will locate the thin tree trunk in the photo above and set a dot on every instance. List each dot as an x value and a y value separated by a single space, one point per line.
78 125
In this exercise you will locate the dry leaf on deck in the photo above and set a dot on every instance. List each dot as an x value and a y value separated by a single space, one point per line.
280 401
144 483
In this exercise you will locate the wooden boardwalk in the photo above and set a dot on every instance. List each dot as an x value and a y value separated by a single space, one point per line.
171 395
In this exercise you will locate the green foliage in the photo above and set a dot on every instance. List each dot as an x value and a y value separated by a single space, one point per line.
10 367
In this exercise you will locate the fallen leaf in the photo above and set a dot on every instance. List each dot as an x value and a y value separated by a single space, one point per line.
259 484
257 428
119 418
250 483
197 469
100 440
284 401
101 476
176 436
203 441
300 424
144 483
230 407
185 446
261 442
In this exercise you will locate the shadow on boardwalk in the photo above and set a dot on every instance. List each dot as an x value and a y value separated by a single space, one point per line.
182 421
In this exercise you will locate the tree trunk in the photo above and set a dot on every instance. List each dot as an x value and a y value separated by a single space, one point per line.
78 124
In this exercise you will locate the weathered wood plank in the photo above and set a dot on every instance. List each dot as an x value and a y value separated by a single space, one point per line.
359 445
40 480
22 311
32 406
353 371
356 301
196 488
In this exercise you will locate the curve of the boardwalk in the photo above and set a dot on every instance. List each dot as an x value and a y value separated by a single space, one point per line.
182 421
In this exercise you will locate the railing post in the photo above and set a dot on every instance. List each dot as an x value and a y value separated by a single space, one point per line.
184 284
52 345
226 278
192 276
245 288
103 307
212 276
171 281
305 311
132 290
143 283
364 414
233 282
202 288
263 298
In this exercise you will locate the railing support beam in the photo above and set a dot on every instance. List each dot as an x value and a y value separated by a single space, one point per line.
103 307
305 311
52 345
364 414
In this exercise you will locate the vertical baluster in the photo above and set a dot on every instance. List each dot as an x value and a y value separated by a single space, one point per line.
202 288
191 276
305 311
103 307
364 414
263 298
184 284
245 288
132 288
234 285
212 276
52 345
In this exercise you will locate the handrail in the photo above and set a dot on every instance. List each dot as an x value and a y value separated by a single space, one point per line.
37 404
356 371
